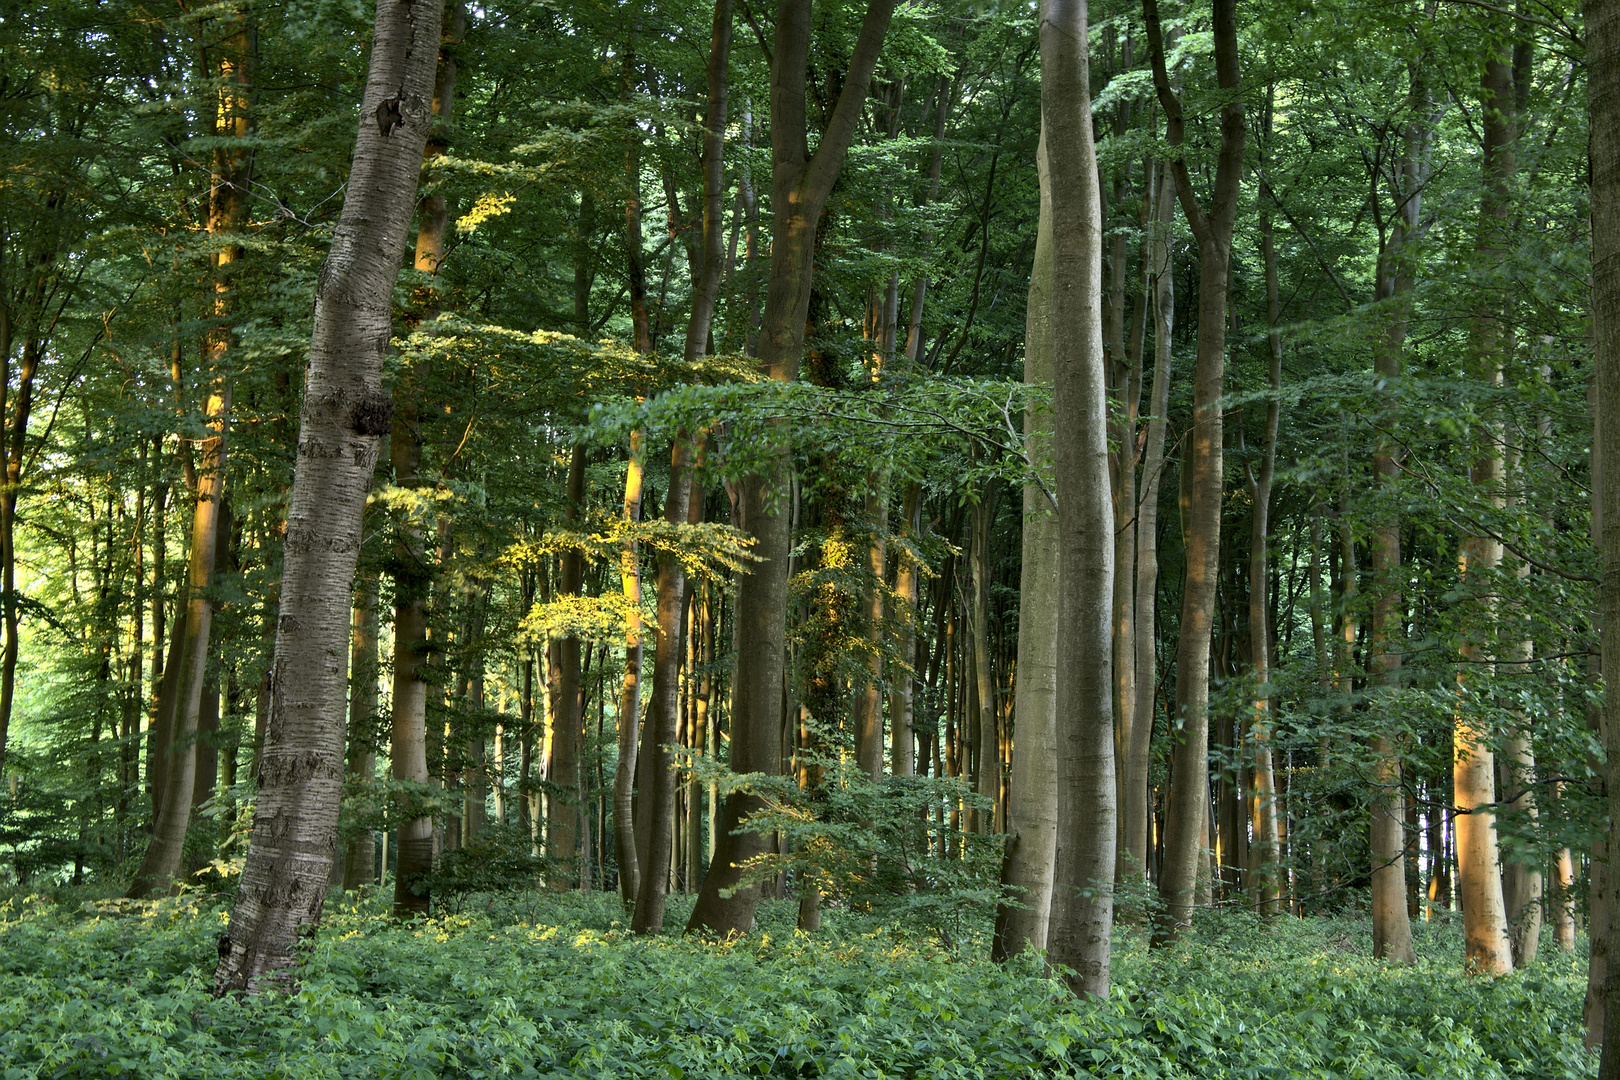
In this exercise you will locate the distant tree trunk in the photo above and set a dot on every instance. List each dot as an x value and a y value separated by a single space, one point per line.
902 698
986 748
664 714
1603 104
1392 928
624 777
413 568
1266 868
1137 759
801 184
566 713
1031 855
229 178
1479 872
345 409
360 861
1083 881
1185 826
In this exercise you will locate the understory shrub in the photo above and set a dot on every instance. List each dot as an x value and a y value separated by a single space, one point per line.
541 985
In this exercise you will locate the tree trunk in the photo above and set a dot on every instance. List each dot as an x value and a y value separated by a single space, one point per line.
1188 800
902 698
563 808
344 411
1082 893
1137 758
624 776
227 211
1026 868
801 184
1479 872
1603 103
1266 893
359 862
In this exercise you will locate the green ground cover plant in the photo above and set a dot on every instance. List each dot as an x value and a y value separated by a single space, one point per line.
536 985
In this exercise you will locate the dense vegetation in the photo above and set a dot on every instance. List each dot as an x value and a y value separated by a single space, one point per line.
540 985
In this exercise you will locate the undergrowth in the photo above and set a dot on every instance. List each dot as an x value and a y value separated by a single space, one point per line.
540 985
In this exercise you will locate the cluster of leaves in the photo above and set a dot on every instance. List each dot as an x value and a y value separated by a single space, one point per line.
120 989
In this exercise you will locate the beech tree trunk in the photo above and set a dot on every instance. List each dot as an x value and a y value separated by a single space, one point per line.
1603 103
624 776
1392 927
563 807
360 861
1083 880
1187 807
1137 759
227 211
1031 855
1265 880
1479 871
800 185
902 697
344 412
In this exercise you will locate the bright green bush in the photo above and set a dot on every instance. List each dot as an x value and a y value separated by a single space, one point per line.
558 990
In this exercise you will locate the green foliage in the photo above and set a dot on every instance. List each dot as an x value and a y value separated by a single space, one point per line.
119 989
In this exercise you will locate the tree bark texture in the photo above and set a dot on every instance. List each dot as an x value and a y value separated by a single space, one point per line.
359 862
344 412
1083 880
567 720
1026 868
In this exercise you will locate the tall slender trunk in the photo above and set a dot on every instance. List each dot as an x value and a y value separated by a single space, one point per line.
624 777
345 410
1026 868
359 862
1188 800
801 184
1266 892
229 181
902 682
1479 873
986 745
1137 761
1083 879
1603 104
563 807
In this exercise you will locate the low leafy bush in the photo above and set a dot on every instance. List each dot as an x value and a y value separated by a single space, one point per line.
115 989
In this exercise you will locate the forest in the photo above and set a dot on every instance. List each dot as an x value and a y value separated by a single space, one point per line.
868 538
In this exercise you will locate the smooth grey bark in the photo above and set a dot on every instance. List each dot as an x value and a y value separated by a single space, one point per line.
800 185
1083 879
1031 853
1187 806
625 841
344 412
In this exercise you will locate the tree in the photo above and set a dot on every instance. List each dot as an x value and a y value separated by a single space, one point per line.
1083 879
800 185
345 411
1201 461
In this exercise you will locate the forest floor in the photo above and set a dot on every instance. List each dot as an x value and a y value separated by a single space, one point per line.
541 985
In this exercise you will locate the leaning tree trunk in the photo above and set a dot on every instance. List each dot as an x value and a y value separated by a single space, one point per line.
1026 868
801 184
345 410
1187 807
1083 880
